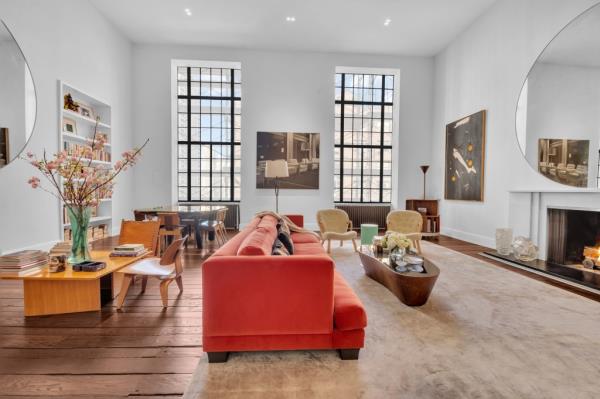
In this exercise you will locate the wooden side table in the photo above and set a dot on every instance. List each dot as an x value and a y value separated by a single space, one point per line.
431 216
48 293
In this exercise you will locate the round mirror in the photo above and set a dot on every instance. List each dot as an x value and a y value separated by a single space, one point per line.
17 98
558 112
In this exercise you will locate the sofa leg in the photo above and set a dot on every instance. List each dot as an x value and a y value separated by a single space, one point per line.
349 354
217 357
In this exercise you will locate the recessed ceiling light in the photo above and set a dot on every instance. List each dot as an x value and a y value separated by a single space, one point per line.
387 22
188 12
290 19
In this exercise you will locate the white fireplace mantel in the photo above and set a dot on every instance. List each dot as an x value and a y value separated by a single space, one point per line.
528 209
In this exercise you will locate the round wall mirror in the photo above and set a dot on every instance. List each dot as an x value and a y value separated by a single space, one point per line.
558 112
17 98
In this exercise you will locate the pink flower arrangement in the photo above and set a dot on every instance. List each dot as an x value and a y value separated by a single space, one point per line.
84 182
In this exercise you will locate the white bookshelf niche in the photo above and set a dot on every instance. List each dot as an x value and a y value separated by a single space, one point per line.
81 132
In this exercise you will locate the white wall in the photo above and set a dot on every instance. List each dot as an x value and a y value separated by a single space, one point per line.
484 68
564 103
280 92
69 40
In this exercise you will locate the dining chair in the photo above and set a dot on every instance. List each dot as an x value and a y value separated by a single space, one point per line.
409 223
167 269
170 227
216 226
190 221
335 224
140 232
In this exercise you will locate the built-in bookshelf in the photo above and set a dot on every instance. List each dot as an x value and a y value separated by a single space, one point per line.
77 129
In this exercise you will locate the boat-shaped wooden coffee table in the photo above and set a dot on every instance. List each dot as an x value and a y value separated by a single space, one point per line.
413 289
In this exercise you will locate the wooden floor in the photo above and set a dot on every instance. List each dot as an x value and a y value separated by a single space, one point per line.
140 352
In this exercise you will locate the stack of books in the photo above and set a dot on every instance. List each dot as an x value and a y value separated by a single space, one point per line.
62 248
22 263
129 250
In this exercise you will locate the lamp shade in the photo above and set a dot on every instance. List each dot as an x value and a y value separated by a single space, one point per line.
277 168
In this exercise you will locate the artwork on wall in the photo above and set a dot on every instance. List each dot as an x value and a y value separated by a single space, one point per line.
299 151
69 126
564 160
465 158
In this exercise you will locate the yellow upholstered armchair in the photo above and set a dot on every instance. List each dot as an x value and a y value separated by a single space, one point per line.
409 223
334 224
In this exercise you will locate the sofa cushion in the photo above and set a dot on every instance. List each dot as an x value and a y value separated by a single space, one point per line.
348 310
304 237
268 221
309 248
231 247
258 242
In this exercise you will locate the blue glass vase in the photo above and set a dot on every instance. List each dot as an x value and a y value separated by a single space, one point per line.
80 220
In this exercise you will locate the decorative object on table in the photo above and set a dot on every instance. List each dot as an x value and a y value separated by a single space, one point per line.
367 232
524 249
88 266
86 111
22 263
397 244
69 126
591 257
57 264
424 168
276 170
70 104
84 184
299 150
465 158
378 245
504 241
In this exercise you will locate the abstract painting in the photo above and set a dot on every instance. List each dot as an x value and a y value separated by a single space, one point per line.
465 158
300 151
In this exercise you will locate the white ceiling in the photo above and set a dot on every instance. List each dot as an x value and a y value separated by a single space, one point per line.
418 27
578 44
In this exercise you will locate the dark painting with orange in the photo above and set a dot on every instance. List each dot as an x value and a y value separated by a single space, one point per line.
465 158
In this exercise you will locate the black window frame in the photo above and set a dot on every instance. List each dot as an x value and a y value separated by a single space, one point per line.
232 143
381 146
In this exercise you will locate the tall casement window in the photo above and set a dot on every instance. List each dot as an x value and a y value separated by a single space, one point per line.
364 109
208 131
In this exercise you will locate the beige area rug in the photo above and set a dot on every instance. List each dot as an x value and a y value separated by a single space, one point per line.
486 332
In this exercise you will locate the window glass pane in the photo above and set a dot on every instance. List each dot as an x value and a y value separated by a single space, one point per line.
362 139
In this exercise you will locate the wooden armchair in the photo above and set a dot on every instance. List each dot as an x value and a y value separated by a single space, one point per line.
166 269
409 223
334 224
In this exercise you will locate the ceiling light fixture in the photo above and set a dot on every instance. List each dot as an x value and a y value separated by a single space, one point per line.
290 19
188 12
387 22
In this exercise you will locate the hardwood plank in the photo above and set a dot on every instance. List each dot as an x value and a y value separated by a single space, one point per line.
93 353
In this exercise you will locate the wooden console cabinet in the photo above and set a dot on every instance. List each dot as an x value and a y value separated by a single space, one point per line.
431 216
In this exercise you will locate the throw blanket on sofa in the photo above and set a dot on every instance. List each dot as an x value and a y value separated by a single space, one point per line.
291 225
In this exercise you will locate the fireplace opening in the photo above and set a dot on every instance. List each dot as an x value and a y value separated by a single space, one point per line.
573 235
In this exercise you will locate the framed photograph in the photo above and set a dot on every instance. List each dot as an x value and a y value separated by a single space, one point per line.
69 126
297 152
564 160
465 158
86 110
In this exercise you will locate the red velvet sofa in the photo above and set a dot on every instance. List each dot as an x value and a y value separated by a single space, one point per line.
254 301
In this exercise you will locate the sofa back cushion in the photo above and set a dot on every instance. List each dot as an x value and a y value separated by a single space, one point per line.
231 247
260 240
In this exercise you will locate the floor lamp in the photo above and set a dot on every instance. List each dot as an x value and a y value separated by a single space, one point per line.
275 170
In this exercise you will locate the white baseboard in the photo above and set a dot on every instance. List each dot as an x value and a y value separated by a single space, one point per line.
46 246
489 242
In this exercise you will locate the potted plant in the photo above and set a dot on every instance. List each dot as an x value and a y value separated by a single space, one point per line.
84 184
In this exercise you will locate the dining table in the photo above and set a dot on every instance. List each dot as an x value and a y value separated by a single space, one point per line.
192 214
